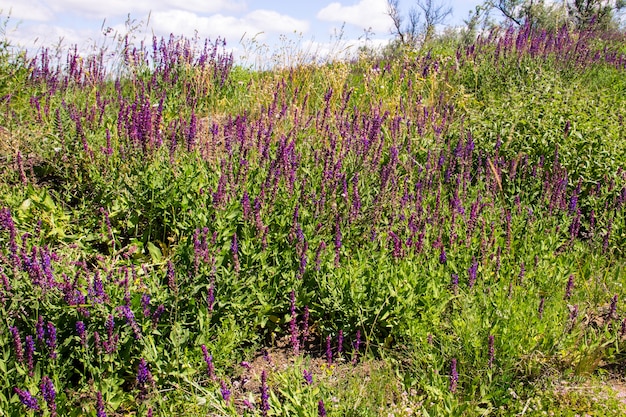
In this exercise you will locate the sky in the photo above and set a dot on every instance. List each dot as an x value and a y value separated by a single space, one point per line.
264 26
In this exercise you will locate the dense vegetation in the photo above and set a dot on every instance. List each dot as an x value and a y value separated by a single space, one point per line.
437 233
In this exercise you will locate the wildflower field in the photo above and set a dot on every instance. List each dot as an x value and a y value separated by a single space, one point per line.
432 232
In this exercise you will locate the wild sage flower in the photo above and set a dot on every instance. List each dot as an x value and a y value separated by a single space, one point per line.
208 359
145 305
321 410
492 353
80 330
6 222
97 342
30 354
472 272
51 339
110 345
27 399
171 276
100 412
17 343
96 290
144 377
224 391
245 205
308 376
442 256
4 280
234 249
318 255
40 329
129 316
356 346
454 376
613 308
210 298
303 259
157 314
49 394
265 394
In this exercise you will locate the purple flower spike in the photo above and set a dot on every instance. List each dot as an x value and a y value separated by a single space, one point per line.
442 256
17 344
80 330
40 329
145 305
356 345
210 299
143 373
454 282
129 316
613 308
27 399
144 378
157 314
30 352
110 345
225 392
51 339
234 249
318 255
472 272
171 276
208 359
308 377
321 410
100 405
265 394
49 394
454 376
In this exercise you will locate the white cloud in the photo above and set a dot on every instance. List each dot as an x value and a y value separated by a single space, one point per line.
181 22
100 9
272 21
46 35
364 14
26 10
112 8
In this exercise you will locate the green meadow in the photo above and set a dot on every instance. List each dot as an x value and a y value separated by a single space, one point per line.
410 232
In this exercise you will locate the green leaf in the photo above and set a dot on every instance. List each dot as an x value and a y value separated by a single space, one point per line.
155 252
